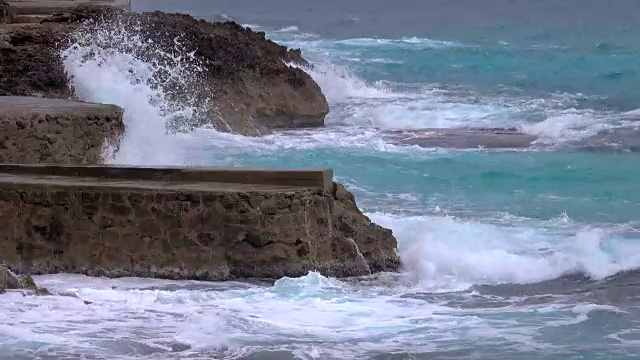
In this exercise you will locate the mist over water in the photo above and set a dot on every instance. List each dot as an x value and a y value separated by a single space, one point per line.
508 253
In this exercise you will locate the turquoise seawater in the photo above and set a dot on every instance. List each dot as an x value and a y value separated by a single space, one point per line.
508 253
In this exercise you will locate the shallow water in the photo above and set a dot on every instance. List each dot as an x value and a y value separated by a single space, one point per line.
523 253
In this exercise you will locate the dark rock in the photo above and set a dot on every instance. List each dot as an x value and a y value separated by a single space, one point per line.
6 14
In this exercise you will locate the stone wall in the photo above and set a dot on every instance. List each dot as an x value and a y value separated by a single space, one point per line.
36 130
202 231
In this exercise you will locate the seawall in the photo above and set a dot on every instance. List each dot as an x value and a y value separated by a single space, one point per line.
180 227
61 210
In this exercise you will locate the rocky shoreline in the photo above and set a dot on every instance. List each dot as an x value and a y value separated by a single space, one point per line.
248 76
167 223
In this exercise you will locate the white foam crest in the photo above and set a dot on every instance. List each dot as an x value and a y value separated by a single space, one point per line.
292 28
339 84
412 42
567 125
447 253
106 66
358 103
119 322
130 318
414 114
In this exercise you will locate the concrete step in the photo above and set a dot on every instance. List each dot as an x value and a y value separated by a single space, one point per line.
218 178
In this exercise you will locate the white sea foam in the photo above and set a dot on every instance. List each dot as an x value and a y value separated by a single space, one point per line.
567 125
129 318
106 66
407 42
448 253
384 106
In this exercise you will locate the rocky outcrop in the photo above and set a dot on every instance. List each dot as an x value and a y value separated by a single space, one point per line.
11 281
247 76
6 14
37 130
185 229
376 244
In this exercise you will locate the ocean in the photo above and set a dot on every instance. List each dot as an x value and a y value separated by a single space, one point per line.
509 253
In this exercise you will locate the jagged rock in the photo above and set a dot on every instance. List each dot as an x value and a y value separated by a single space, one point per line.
11 281
247 75
6 14
377 245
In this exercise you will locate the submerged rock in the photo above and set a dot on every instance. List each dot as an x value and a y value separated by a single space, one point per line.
248 77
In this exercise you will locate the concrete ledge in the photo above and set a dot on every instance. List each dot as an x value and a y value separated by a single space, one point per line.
184 229
312 179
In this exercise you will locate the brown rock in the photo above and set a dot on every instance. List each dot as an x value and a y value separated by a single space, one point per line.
246 74
205 231
35 130
33 67
376 244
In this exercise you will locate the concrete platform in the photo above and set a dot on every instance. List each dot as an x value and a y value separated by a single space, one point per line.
178 224
35 106
194 178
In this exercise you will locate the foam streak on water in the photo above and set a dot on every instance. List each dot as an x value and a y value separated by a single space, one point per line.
310 317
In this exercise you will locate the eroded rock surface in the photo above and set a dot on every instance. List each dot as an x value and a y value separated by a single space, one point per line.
6 14
208 232
38 130
248 76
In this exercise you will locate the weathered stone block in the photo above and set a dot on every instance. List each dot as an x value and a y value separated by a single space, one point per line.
37 137
206 231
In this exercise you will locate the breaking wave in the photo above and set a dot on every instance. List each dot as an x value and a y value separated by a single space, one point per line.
115 62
